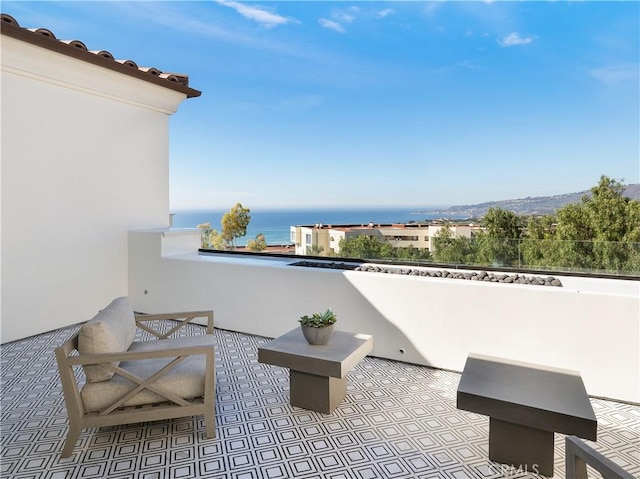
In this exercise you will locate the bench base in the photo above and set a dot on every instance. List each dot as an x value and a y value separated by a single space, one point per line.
522 447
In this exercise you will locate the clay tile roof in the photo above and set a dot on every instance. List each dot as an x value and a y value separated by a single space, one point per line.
41 31
103 53
75 48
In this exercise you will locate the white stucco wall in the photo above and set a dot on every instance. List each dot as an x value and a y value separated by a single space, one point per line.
84 159
590 325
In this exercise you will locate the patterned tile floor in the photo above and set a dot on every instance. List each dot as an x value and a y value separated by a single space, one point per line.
398 421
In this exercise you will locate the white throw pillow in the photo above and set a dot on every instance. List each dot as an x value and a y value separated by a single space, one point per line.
112 330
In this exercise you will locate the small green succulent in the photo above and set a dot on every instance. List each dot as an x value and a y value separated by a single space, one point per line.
319 320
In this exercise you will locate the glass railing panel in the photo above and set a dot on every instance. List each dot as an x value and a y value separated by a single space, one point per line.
553 256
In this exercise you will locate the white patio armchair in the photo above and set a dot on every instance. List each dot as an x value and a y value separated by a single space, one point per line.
129 381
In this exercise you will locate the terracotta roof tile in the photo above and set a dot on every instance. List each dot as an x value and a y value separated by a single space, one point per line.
41 31
45 38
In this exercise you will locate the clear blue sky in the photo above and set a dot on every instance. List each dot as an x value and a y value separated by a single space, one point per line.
351 104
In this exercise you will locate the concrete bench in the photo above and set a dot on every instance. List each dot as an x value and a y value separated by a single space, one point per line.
526 404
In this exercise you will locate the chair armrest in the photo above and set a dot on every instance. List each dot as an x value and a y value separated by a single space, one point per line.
183 318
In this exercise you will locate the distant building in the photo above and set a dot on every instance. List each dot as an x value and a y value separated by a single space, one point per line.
324 240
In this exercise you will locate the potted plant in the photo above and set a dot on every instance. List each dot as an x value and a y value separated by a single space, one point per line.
318 328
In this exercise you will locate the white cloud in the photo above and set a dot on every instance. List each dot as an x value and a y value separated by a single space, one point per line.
384 13
347 15
513 39
331 25
614 75
257 14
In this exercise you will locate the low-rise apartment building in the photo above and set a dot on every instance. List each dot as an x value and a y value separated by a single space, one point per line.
324 240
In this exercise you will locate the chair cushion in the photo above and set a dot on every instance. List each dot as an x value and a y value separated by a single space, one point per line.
112 330
185 380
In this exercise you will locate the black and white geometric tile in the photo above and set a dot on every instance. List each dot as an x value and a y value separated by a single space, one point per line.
398 421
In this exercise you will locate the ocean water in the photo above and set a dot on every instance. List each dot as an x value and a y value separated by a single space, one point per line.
275 224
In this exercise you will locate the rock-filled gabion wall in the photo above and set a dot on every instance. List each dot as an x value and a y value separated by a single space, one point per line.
468 275
443 273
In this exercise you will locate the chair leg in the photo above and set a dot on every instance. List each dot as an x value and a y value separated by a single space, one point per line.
210 423
72 437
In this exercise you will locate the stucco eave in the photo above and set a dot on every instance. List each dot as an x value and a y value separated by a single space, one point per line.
52 44
26 60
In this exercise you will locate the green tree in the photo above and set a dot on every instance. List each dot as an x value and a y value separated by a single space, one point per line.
573 248
411 253
365 247
602 232
372 247
539 244
234 224
613 219
210 238
452 250
315 250
498 244
258 244
632 237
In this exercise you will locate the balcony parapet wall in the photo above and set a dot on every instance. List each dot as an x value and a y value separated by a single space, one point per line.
591 325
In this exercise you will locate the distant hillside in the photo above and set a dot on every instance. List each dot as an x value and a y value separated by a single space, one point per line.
537 205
